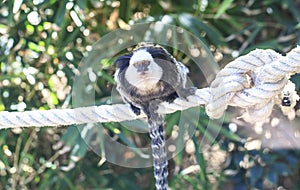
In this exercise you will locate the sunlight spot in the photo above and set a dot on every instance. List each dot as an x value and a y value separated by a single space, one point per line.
75 18
253 145
269 10
258 128
54 35
34 18
172 148
275 121
50 50
27 168
20 98
69 56
40 86
268 134
17 80
60 73
232 127
69 5
92 76
88 48
36 2
6 151
190 147
12 170
5 94
235 53
30 79
195 52
70 28
86 32
203 5
5 82
17 5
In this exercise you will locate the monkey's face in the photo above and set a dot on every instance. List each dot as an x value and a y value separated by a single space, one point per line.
143 72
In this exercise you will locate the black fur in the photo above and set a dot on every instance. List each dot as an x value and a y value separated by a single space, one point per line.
123 61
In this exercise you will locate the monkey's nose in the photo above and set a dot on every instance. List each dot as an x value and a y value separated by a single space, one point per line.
142 67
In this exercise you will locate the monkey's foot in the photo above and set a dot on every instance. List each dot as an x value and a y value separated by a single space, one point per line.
150 109
185 92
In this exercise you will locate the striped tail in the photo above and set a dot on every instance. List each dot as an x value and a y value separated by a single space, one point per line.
159 153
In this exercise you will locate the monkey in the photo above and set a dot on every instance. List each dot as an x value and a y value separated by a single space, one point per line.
146 77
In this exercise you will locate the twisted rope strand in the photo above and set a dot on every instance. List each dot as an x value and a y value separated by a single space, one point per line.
253 82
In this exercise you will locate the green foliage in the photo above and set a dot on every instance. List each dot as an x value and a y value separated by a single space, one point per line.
41 46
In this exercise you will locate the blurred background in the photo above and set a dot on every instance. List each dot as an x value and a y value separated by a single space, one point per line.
41 46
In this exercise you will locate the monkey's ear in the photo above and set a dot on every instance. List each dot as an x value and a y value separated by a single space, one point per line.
123 61
160 53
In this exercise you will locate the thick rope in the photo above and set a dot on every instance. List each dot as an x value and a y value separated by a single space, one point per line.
253 82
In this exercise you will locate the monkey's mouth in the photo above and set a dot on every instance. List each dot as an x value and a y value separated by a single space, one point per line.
143 74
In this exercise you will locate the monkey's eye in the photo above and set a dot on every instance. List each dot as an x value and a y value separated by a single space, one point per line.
147 63
144 63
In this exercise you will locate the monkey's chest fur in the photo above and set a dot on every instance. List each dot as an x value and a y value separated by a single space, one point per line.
147 91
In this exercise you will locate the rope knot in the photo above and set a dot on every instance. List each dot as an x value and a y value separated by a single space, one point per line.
254 82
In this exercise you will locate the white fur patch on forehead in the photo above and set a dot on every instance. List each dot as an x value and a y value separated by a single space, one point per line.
140 55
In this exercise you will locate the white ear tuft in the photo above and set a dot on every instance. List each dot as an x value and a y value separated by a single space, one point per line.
140 55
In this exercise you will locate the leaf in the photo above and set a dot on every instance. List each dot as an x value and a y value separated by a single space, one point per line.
240 186
54 99
82 4
200 29
293 8
60 13
80 148
237 158
10 18
272 177
33 46
101 140
202 163
282 169
124 138
125 10
135 125
271 44
70 136
65 38
254 34
104 76
2 106
224 6
255 175
172 119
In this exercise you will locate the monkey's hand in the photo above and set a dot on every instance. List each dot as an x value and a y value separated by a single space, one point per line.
135 109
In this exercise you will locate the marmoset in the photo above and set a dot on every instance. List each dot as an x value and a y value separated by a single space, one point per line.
146 77
150 73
